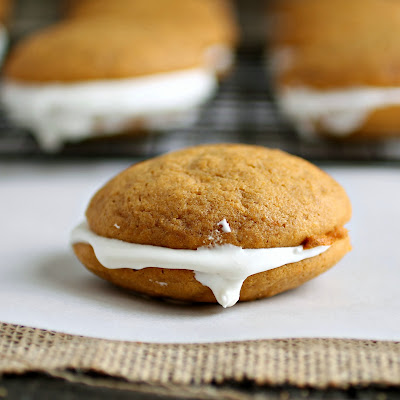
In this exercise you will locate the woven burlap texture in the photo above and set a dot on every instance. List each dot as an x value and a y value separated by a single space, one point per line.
318 363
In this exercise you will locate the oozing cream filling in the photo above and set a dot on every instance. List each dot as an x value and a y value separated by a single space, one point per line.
71 112
340 111
221 268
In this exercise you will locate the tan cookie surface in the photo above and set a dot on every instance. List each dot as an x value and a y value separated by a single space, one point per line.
100 49
182 285
212 19
5 10
268 197
338 43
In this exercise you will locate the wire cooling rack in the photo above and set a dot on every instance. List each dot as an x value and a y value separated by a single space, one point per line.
242 111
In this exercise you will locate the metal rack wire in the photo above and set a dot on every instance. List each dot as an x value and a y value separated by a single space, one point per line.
242 111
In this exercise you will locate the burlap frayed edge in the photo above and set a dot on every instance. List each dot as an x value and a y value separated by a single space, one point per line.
315 363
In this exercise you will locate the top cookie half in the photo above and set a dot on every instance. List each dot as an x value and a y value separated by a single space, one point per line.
268 197
104 48
327 44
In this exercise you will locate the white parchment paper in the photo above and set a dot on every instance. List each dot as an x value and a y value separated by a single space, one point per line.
43 285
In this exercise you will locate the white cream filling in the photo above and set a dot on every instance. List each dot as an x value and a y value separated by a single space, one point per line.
225 226
72 112
340 111
279 60
220 58
221 268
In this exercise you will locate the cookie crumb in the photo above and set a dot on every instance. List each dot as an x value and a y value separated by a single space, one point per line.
225 226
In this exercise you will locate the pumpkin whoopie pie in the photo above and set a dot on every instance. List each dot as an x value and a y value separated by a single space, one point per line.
103 76
336 65
215 223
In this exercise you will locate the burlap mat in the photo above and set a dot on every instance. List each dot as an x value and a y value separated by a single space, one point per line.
318 363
